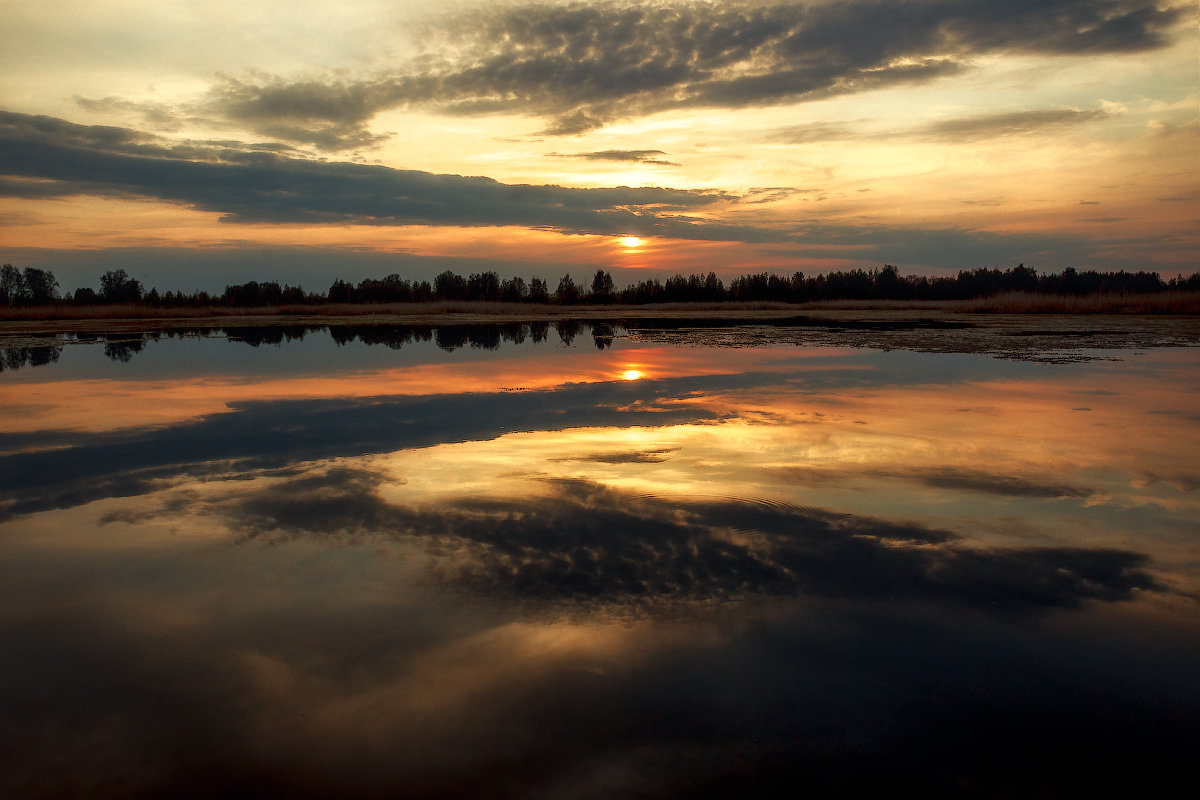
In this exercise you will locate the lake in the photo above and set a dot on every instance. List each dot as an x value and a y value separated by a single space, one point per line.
583 559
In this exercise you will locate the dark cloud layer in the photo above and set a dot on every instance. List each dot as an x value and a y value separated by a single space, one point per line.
256 184
962 129
633 156
583 64
986 126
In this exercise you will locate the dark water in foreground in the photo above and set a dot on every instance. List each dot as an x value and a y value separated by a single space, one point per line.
599 562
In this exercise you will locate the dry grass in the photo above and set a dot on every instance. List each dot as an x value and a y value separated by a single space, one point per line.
1028 303
1185 303
525 311
1022 303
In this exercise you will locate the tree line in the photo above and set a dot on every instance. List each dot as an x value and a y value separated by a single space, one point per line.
33 286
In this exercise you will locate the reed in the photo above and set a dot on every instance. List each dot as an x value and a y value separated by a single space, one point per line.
1025 303
1173 302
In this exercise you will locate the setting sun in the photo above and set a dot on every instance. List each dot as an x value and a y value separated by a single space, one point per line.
632 374
632 242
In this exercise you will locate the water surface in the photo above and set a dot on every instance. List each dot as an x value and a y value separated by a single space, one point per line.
591 560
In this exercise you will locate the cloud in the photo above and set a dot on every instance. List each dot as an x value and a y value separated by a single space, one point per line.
813 132
257 183
962 129
987 126
582 65
157 115
635 156
328 115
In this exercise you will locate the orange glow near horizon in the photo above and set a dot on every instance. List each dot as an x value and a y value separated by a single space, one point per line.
61 404
93 223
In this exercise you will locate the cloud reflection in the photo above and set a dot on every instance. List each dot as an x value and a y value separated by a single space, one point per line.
582 542
273 434
960 479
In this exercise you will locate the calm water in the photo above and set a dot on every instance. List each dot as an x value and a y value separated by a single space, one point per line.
591 561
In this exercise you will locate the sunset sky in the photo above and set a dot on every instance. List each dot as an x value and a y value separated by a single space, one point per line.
201 144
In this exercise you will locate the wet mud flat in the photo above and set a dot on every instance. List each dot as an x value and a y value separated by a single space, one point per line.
1051 338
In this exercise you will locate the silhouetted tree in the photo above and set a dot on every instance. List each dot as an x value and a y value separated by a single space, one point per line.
116 286
567 292
648 291
514 290
483 286
797 288
449 286
538 291
12 285
888 283
1022 279
31 286
422 292
40 286
254 293
340 292
602 287
1189 284
712 289
392 289
750 287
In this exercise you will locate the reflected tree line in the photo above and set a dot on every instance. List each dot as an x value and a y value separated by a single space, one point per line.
32 286
117 346
446 337
123 347
40 356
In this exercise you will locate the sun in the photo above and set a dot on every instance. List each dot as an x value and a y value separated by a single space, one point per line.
631 374
632 242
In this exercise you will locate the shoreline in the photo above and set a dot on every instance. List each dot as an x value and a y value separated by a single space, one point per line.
115 318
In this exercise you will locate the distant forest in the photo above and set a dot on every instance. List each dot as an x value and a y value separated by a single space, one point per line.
32 286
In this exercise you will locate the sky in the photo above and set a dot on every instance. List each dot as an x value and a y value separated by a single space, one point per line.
197 145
